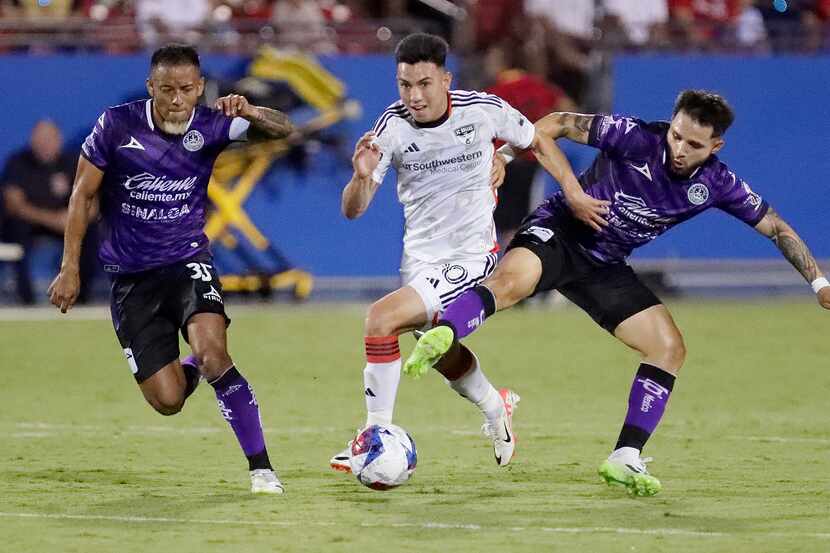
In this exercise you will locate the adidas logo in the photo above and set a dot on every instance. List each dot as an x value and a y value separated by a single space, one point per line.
412 148
433 281
369 392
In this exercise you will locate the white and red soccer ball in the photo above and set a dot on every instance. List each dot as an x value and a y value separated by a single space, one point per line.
383 456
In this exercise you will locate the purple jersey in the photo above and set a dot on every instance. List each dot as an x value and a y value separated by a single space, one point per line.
154 192
632 172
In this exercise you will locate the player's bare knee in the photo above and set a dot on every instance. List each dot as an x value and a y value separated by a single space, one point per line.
670 351
167 404
380 321
507 288
213 360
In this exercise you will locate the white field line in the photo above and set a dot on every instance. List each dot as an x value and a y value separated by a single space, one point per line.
47 430
427 525
37 429
780 439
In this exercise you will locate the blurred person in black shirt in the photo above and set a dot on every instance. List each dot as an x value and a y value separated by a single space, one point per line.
36 184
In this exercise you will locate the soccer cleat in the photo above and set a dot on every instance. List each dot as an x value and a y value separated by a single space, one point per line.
340 462
428 350
501 432
265 481
624 467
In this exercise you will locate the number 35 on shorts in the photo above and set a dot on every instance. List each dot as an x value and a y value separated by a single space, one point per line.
201 271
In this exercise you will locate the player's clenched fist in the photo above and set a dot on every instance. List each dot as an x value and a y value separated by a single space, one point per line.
366 155
234 105
64 290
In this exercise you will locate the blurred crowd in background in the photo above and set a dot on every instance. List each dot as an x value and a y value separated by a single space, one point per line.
569 29
539 55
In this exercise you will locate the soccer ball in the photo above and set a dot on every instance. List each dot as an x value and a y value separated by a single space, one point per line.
383 456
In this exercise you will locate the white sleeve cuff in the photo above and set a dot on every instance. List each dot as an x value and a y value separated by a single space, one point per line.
508 152
239 129
819 283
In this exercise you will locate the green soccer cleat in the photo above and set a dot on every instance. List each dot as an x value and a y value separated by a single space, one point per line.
428 350
629 471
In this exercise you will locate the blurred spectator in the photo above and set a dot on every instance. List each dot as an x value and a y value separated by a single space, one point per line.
301 23
36 185
750 31
535 98
795 24
496 20
704 24
639 23
161 21
56 9
257 10
567 28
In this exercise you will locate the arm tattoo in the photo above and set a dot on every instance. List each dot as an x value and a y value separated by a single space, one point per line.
576 126
793 247
269 124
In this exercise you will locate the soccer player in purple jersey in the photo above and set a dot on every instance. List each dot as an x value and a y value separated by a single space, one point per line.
148 163
653 176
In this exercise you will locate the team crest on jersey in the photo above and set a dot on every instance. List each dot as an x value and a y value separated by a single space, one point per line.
466 134
752 198
193 141
698 193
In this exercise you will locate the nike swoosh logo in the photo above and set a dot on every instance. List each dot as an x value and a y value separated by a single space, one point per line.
509 437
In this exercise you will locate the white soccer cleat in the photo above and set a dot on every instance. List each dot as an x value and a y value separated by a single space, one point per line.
340 462
501 431
265 481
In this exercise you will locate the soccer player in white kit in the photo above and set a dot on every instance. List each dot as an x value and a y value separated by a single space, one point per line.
440 143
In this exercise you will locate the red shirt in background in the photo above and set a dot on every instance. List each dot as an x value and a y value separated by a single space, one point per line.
712 11
529 94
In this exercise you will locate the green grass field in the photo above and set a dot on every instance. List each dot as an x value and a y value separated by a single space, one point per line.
743 452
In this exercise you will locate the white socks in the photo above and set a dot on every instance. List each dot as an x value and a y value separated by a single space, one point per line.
381 377
475 387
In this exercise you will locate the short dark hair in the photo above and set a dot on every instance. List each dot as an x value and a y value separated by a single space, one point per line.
419 47
707 108
175 54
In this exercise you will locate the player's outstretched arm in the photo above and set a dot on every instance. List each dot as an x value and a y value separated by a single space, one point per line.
358 193
266 123
796 252
64 289
560 124
587 209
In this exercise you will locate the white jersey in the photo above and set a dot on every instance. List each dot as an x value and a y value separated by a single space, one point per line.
443 173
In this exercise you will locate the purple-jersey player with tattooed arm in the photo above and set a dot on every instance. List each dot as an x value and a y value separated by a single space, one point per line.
149 162
654 176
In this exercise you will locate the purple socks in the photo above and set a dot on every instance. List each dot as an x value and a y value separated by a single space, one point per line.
646 404
239 407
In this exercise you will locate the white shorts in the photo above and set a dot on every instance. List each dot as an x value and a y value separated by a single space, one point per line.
439 285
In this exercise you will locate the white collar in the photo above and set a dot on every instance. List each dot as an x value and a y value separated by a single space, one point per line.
148 109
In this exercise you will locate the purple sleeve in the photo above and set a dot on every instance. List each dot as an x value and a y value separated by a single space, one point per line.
740 201
220 129
622 136
97 146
